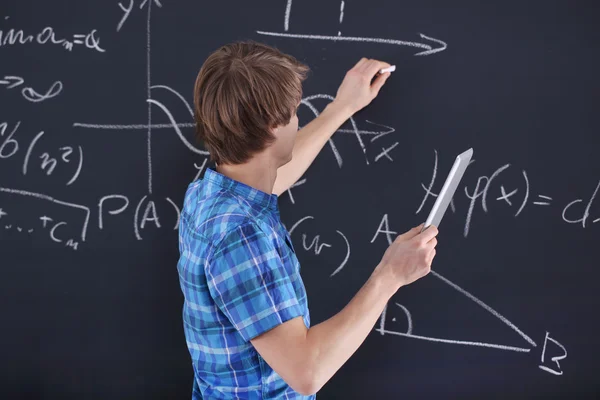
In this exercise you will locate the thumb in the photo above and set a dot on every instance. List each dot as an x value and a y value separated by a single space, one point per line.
418 228
378 83
411 233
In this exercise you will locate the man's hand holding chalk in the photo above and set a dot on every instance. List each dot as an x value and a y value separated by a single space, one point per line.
361 85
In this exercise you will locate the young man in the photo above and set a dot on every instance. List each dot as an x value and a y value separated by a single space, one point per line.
245 313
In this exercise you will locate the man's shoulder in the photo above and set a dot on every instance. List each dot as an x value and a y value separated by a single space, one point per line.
214 214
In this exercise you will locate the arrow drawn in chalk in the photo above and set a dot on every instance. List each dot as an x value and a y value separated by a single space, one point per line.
11 81
428 49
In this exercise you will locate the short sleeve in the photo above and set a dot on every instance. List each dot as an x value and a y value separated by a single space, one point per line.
249 283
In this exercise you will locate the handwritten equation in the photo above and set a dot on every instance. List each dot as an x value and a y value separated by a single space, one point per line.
47 36
575 212
11 146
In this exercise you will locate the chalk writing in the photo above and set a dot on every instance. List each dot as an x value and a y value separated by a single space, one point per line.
482 190
554 370
318 248
28 92
426 46
14 37
63 156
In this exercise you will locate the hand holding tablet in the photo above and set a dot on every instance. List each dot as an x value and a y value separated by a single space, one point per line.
443 199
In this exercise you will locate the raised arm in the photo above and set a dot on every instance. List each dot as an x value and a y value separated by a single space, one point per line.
355 93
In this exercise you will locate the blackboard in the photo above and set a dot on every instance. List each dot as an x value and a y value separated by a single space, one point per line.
97 147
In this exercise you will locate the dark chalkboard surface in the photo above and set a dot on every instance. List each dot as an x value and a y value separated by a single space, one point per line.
97 147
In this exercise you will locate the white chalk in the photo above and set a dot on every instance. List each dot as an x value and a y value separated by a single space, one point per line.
388 69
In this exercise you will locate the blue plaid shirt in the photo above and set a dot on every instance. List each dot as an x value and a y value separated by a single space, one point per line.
240 277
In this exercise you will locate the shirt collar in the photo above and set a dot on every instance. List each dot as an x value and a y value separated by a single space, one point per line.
256 197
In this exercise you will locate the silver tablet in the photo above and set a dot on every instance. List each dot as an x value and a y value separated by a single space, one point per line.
450 185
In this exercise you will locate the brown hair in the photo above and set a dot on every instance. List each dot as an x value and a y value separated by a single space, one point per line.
243 90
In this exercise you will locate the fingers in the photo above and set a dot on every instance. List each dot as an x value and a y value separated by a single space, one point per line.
362 68
379 81
432 243
369 67
360 63
410 234
373 66
429 233
430 257
414 231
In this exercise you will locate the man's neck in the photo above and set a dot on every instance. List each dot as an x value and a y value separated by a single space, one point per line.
259 174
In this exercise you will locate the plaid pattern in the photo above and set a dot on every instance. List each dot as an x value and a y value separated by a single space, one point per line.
240 277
